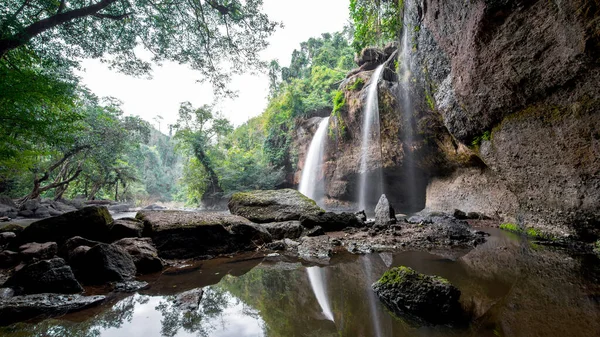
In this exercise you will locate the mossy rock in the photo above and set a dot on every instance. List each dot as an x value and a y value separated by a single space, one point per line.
272 205
425 297
13 227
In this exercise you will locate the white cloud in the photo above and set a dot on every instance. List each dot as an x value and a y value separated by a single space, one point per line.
173 83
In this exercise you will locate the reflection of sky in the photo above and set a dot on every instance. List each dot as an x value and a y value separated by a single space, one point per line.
236 320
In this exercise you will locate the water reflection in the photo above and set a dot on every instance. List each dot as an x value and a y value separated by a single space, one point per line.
512 287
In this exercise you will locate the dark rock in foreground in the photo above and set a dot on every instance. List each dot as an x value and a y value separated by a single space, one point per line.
384 212
20 308
431 298
90 222
272 205
46 276
143 253
38 251
126 228
104 263
331 222
180 234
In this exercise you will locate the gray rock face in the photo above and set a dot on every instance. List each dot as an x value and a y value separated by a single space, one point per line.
316 248
272 205
330 221
8 211
90 222
179 234
143 253
6 238
284 230
126 228
408 293
105 263
249 236
20 308
46 276
384 212
38 251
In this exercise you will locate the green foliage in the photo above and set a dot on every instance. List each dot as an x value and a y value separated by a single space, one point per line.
358 84
487 135
597 247
530 232
201 34
375 22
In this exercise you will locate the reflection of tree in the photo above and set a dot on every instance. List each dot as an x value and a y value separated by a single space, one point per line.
111 318
214 301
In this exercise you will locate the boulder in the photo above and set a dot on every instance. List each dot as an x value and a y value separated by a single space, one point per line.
9 259
20 308
154 207
34 209
38 251
272 205
119 207
105 263
7 201
330 221
6 238
249 236
315 231
76 256
75 242
361 215
315 248
126 228
89 222
408 293
6 293
143 253
384 212
8 211
12 228
276 245
46 276
130 286
180 234
188 300
370 55
284 230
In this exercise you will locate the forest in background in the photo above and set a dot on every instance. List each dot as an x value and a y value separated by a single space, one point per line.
58 140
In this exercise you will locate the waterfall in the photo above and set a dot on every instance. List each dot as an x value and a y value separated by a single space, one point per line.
375 316
317 282
370 132
310 185
404 75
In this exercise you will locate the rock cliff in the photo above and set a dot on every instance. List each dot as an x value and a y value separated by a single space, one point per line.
505 119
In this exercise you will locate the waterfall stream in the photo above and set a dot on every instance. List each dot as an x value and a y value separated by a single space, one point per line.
310 183
317 283
370 133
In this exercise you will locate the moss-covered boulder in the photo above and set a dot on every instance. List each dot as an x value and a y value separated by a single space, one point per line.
92 223
409 293
180 234
272 205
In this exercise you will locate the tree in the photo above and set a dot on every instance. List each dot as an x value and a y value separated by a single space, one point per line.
375 22
201 33
199 131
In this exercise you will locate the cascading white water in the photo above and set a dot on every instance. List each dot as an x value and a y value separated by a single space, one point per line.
317 282
309 182
370 132
404 76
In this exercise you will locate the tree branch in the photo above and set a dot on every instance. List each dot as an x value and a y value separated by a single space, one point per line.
36 28
112 17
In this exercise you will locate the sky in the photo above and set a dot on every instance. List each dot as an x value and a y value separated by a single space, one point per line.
172 83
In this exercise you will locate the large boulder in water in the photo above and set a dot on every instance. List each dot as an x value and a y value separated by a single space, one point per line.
408 293
104 263
20 308
180 234
46 276
90 222
143 253
384 212
331 222
126 228
272 205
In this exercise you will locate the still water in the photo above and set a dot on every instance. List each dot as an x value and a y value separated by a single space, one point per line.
513 288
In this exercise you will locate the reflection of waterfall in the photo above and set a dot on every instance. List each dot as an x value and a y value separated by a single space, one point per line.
317 282
370 132
407 110
375 317
310 185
